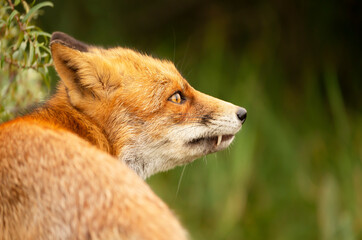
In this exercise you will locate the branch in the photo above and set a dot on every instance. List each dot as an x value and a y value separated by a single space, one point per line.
9 61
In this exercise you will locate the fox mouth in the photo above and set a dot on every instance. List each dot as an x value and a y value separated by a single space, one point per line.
217 143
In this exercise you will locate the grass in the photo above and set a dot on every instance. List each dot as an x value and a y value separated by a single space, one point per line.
293 172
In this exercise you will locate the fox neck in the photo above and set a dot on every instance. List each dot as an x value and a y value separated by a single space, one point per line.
60 113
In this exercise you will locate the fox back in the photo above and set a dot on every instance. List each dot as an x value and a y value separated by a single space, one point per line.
69 169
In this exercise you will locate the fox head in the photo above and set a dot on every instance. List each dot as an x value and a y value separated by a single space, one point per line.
153 119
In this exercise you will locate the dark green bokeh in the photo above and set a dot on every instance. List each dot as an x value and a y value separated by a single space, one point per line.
294 171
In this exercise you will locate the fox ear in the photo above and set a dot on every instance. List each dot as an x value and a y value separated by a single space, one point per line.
73 65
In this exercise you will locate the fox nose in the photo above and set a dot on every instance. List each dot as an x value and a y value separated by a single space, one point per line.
241 113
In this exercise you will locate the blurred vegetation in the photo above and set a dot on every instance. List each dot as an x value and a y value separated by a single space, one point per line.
295 170
25 56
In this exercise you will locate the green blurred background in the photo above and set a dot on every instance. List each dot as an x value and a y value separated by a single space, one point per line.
295 169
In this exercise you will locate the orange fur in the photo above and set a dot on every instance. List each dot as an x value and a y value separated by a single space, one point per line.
54 185
59 173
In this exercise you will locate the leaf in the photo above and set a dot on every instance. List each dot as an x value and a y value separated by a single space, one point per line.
16 2
2 61
30 27
15 54
31 55
36 8
12 15
32 4
20 40
25 58
45 75
25 6
21 51
38 53
23 46
46 49
40 33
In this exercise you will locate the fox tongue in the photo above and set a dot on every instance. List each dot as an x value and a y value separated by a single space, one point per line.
219 138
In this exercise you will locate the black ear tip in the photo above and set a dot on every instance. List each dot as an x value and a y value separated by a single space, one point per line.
68 41
58 36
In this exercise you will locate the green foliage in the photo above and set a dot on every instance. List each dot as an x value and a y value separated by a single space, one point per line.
25 56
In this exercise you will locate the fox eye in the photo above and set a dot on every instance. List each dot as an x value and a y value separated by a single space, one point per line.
176 98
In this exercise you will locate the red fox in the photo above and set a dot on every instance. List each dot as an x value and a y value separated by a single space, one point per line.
66 168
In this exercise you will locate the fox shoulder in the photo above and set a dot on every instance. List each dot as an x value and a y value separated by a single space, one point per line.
73 190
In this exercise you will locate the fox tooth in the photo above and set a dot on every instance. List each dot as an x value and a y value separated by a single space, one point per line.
219 138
